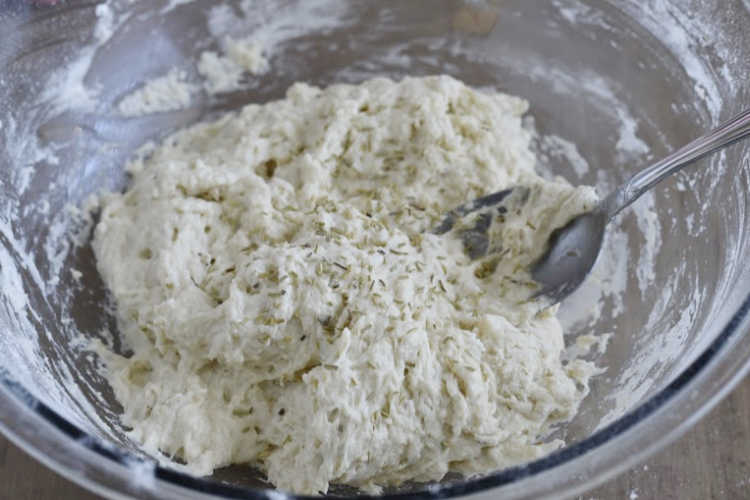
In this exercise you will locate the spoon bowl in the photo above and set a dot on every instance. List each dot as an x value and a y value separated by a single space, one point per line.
571 254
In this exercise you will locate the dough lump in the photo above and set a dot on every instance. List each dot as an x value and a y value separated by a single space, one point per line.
223 73
286 305
169 92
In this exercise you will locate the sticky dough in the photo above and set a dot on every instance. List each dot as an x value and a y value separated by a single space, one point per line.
286 305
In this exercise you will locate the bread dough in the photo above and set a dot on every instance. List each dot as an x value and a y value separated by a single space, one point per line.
221 73
287 306
169 92
224 73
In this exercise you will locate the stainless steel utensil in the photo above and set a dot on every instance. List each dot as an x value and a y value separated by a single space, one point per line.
574 248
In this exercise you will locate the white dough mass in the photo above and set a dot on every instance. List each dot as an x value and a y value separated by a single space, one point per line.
287 307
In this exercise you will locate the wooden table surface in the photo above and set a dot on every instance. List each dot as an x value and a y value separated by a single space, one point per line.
712 461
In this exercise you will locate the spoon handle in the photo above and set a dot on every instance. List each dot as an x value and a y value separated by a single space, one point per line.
725 134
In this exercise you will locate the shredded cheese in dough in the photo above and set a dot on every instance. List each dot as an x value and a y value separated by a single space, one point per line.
288 307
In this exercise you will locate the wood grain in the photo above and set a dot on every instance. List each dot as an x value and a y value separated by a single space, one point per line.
712 462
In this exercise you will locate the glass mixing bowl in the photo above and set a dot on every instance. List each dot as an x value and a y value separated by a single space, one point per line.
623 81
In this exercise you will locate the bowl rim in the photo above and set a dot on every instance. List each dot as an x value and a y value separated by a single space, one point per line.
110 459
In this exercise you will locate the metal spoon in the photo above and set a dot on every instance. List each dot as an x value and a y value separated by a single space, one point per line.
574 248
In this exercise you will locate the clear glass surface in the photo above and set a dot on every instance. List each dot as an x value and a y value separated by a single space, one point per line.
626 82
